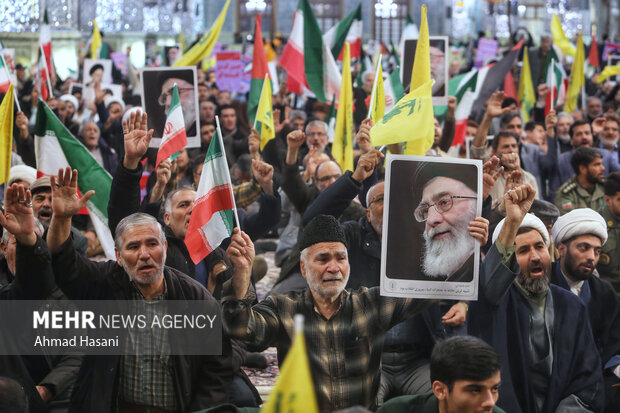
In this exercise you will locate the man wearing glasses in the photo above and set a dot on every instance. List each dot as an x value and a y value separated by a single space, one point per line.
447 207
184 80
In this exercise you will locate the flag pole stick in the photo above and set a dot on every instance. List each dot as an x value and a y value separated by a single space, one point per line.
8 76
47 74
219 133
552 85
374 87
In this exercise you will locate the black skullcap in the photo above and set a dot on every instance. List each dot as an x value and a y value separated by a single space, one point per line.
322 228
468 174
545 210
95 67
184 74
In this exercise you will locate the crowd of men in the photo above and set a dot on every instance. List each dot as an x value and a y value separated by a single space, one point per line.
547 321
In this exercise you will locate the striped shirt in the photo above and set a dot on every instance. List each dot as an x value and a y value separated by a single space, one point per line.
344 352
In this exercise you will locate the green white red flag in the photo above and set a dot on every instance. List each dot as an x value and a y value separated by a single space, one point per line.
43 77
175 137
211 221
348 30
57 148
5 80
45 43
307 59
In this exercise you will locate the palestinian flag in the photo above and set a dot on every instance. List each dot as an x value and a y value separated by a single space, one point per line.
56 148
306 57
348 30
212 217
175 137
557 80
259 70
45 43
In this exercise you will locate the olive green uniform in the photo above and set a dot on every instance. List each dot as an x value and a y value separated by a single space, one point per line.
571 196
609 260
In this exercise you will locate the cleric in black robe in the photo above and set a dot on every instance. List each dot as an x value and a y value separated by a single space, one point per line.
540 331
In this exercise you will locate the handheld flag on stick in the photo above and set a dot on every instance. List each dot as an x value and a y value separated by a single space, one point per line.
44 83
259 70
45 42
526 89
5 81
96 42
57 148
264 115
376 108
607 72
294 389
556 80
6 134
175 136
212 216
577 79
350 30
559 38
342 147
204 47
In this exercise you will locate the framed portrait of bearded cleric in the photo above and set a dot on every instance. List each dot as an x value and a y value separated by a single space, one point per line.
157 84
427 250
439 50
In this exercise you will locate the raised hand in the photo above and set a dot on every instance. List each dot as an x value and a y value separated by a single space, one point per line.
163 173
99 93
277 125
137 139
479 229
18 217
367 164
263 173
65 199
254 143
21 122
494 105
452 104
518 202
550 121
598 125
241 254
490 173
294 140
363 136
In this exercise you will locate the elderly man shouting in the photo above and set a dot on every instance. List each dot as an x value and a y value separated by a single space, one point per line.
344 330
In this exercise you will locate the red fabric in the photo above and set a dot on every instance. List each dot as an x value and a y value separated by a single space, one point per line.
259 59
509 87
593 55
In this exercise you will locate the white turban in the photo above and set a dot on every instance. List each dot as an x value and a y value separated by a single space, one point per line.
579 222
530 220
22 173
72 99
130 111
109 100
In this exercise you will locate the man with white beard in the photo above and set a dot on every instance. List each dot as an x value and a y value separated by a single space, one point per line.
448 206
562 128
185 85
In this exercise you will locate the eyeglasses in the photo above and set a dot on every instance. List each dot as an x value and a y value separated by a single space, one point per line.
443 204
378 199
328 177
311 134
164 96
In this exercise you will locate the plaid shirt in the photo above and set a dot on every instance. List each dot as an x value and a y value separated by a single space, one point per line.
246 193
344 352
148 379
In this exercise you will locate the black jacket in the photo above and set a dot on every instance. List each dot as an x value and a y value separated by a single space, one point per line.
200 381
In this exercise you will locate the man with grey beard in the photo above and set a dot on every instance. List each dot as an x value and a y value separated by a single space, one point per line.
447 208
540 331
156 381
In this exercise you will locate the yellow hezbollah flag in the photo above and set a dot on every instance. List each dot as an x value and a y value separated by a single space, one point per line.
294 389
409 121
6 134
526 88
203 48
377 101
95 43
576 80
422 126
559 38
607 72
342 147
264 114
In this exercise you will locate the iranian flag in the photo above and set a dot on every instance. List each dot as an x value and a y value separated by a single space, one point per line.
43 79
465 88
348 30
211 221
45 43
5 80
56 148
174 138
556 79
307 59
259 69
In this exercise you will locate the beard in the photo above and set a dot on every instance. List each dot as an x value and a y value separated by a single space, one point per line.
444 256
564 137
314 282
574 270
534 285
189 112
138 279
609 144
